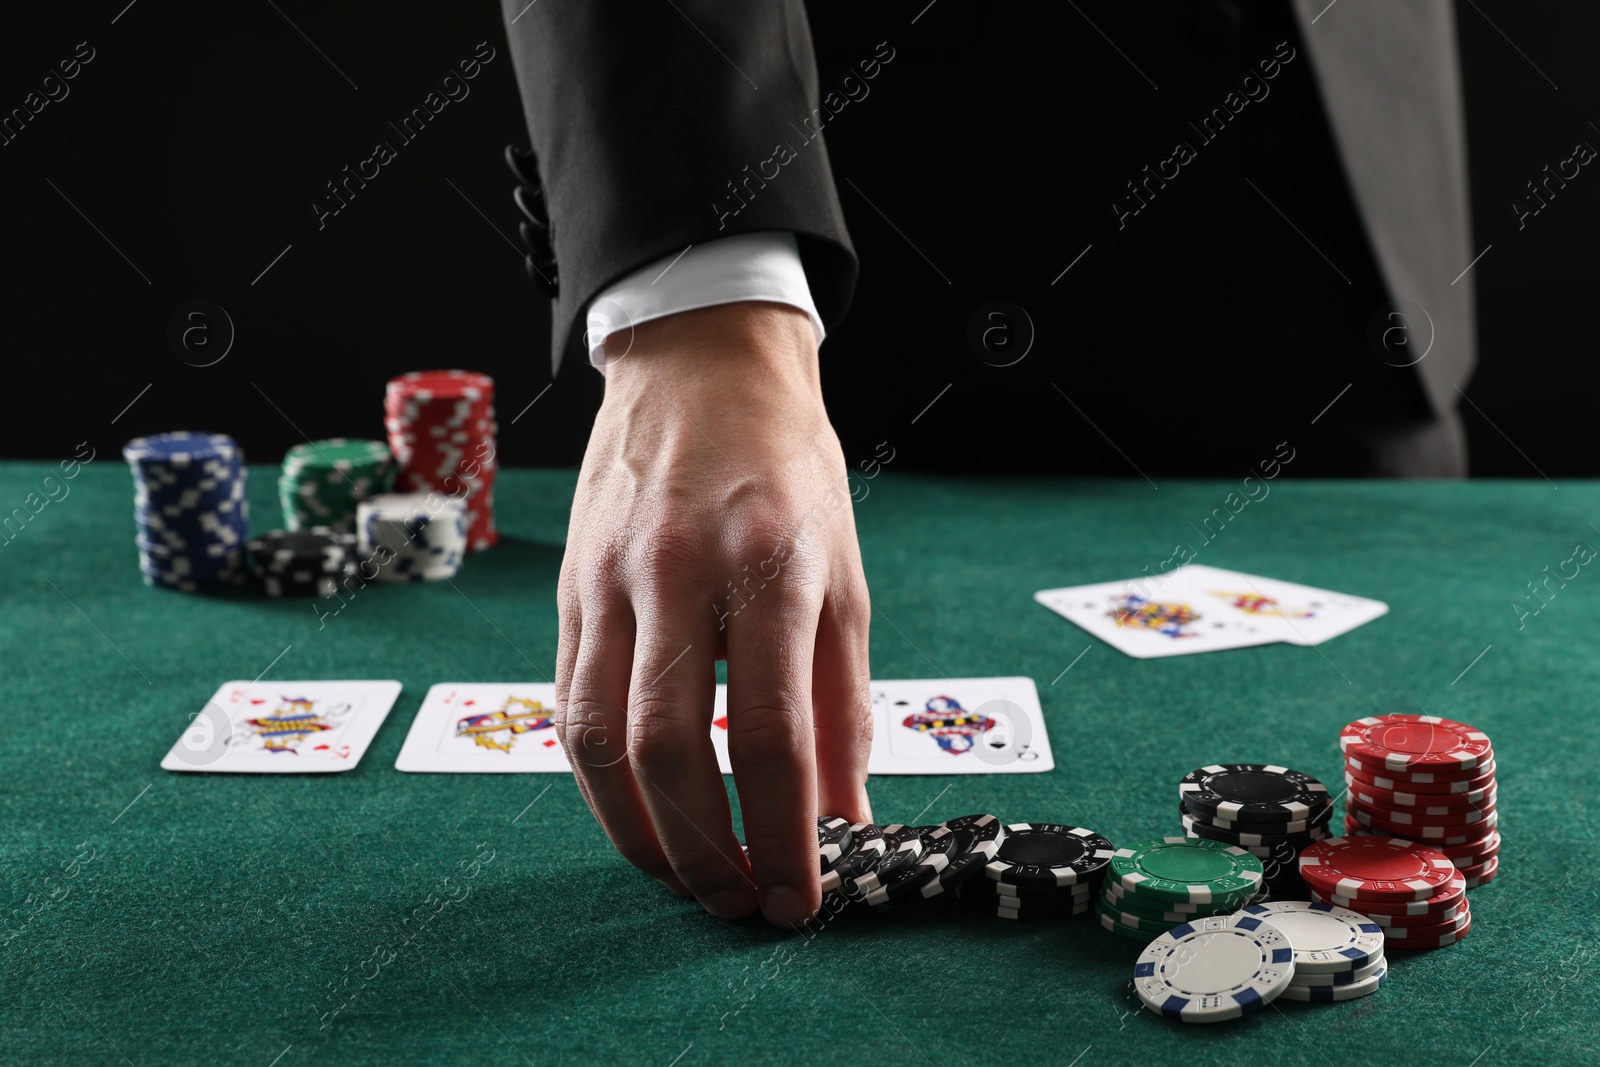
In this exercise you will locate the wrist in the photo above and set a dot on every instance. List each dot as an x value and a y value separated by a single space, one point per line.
738 348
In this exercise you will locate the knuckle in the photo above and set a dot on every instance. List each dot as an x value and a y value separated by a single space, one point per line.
590 730
768 736
658 736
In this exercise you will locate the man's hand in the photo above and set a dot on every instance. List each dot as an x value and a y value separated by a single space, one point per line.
712 521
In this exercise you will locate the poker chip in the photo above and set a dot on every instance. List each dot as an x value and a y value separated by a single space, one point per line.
1017 892
1004 913
978 840
870 848
1200 828
1253 792
1433 930
1326 939
1142 936
322 482
441 428
1185 870
1338 978
1485 877
317 562
939 846
1452 893
903 848
1336 993
1048 854
1421 803
1216 968
834 841
1414 743
1444 835
1463 817
1438 941
1402 921
1374 868
190 510
1127 900
1245 826
412 537
1422 782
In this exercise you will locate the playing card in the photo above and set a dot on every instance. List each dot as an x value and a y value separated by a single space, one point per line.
1309 615
283 728
958 726
1170 615
485 728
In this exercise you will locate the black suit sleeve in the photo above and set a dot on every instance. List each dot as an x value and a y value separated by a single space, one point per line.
664 124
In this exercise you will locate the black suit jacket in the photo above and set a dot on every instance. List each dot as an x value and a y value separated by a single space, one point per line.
1181 148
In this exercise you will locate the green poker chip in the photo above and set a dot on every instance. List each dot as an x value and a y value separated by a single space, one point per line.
1184 870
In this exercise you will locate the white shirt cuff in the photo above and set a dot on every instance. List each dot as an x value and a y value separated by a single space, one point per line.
749 266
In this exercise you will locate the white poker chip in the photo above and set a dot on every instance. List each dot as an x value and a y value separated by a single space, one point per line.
1334 993
1326 939
1215 968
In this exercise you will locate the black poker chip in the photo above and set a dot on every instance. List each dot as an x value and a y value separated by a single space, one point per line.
1260 792
834 841
939 847
1049 854
870 849
1261 826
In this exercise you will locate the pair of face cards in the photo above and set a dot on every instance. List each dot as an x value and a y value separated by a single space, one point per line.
1205 609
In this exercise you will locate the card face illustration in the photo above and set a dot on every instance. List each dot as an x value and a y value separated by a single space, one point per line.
484 728
1308 615
308 727
1151 618
958 726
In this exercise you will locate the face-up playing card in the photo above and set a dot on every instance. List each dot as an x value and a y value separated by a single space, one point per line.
1309 616
283 728
1152 617
485 728
1205 609
958 726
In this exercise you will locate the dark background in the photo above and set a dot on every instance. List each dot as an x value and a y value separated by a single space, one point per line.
196 139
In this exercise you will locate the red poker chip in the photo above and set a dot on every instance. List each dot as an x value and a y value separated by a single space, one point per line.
1375 868
1462 817
1421 803
1432 930
441 383
1490 870
1404 921
1414 743
1427 835
1451 895
1373 773
1473 852
1438 941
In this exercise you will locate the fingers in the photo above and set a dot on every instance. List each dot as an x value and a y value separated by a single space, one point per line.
842 700
770 654
592 721
674 686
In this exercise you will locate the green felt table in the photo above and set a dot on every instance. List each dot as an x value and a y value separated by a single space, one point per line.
156 918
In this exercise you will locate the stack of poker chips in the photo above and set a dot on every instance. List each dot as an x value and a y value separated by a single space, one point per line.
1269 811
293 563
189 503
441 427
1159 885
1428 780
1215 968
322 482
1041 871
1338 952
411 537
868 865
1412 893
